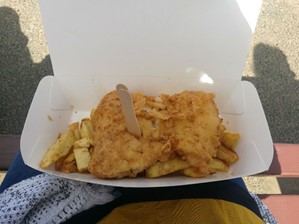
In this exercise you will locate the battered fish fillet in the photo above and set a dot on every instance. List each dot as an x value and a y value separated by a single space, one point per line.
185 125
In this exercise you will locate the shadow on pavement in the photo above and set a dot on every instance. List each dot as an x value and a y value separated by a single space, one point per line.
288 185
19 75
275 167
278 90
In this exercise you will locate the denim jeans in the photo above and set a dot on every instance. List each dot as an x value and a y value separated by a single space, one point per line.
17 172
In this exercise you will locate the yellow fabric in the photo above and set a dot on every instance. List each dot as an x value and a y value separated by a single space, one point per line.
182 211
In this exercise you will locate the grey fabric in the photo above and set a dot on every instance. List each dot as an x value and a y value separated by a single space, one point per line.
268 217
49 199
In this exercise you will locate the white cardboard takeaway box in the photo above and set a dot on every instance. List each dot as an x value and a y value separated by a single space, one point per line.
153 46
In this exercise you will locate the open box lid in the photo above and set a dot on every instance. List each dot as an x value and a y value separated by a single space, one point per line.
151 46
149 38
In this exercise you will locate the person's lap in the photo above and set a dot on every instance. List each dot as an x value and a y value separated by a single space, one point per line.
19 171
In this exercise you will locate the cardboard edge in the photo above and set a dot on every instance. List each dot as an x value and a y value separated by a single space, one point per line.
255 112
26 143
43 124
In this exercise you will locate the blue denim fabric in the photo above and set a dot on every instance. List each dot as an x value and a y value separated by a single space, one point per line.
17 172
240 182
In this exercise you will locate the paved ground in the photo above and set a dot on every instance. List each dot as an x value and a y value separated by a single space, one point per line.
272 66
24 61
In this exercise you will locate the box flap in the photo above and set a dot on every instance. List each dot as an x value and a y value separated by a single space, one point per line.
149 38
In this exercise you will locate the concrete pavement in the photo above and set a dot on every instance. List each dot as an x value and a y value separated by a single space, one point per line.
272 66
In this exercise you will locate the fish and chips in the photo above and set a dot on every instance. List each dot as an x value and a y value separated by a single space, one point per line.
182 134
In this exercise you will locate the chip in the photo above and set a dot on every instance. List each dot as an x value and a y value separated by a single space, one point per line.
60 148
226 155
82 157
230 139
74 127
162 168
